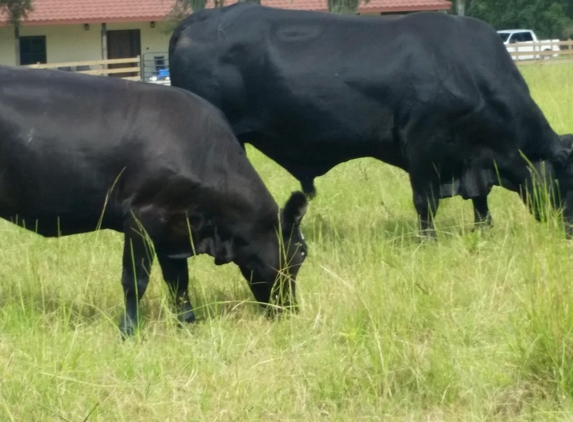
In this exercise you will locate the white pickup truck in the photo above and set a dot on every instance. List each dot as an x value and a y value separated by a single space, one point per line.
524 37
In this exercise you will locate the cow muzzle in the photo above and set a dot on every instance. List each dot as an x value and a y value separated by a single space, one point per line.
282 300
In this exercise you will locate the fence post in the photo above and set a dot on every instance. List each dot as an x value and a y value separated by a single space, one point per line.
140 58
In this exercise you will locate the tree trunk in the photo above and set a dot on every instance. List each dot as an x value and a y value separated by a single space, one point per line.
104 41
197 5
17 43
460 7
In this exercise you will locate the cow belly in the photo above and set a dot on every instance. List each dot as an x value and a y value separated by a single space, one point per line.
49 225
8 198
474 182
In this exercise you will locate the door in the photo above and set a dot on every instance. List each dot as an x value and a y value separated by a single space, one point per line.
123 44
33 50
521 38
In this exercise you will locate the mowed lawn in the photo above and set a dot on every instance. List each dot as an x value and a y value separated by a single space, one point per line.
476 326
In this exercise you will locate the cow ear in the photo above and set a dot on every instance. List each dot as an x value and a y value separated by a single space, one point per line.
294 210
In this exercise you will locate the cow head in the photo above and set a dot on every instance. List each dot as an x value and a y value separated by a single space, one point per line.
271 259
553 183
564 177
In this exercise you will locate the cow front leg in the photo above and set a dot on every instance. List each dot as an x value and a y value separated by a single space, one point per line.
137 260
482 217
568 214
426 204
176 275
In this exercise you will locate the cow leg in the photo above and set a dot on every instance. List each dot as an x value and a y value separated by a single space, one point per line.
426 203
307 184
176 275
482 217
137 260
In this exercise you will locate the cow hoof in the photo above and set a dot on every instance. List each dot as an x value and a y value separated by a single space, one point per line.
482 225
187 317
127 328
428 235
278 312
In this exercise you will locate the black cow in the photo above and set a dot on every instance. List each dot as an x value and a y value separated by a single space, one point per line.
159 164
434 94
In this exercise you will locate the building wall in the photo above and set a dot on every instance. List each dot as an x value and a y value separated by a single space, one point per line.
7 49
67 43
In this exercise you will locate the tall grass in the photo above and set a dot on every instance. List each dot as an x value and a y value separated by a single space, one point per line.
476 326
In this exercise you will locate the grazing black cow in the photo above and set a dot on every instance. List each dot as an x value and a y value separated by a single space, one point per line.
434 94
81 152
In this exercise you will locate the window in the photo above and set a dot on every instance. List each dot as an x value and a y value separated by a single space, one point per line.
526 36
33 50
521 37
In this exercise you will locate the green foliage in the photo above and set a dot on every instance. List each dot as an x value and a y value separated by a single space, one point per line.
548 18
343 6
17 10
250 1
180 10
183 8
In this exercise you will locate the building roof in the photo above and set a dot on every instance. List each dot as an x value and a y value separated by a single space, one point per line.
61 12
372 6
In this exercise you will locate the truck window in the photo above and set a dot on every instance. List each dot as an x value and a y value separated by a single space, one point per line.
504 37
526 36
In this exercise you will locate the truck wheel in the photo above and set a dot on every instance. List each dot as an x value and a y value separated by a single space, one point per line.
547 57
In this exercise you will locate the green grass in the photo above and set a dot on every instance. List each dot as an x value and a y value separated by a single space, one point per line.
477 326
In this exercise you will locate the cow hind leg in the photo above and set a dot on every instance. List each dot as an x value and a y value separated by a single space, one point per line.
137 261
307 185
482 217
176 275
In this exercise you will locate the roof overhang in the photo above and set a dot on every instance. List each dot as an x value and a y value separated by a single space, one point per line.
161 14
82 21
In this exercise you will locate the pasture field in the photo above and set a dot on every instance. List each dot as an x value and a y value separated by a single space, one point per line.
475 327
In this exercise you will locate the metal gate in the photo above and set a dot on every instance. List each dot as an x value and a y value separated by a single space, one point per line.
155 67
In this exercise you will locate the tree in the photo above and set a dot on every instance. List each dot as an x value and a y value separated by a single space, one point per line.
343 7
183 8
462 7
17 10
548 18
